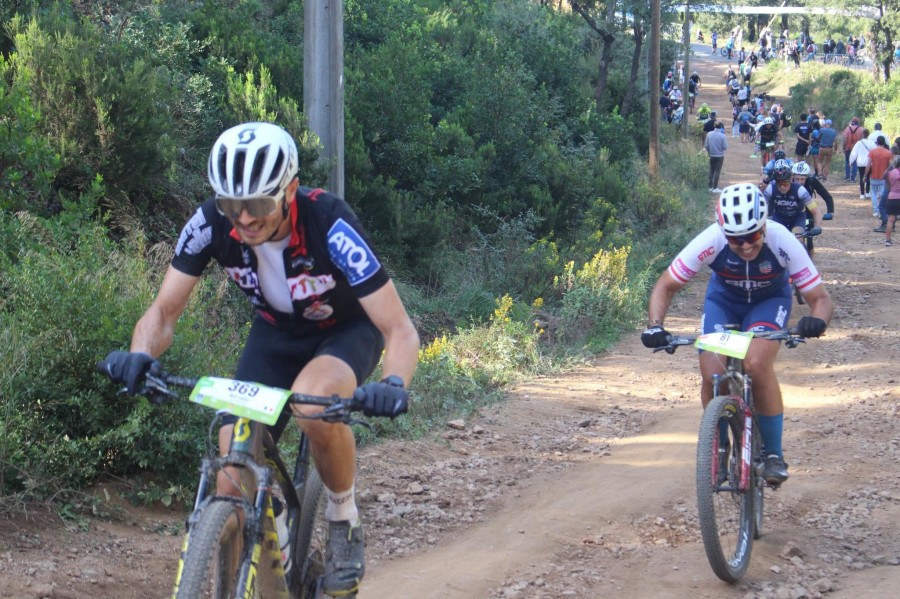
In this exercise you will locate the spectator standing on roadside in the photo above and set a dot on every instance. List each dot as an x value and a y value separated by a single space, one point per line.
715 145
879 159
715 41
892 205
827 137
803 132
860 155
878 133
710 124
852 134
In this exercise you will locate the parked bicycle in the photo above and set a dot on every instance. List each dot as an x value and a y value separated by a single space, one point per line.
232 547
730 455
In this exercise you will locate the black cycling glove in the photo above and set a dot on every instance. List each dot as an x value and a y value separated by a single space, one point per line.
813 231
810 326
130 368
655 336
386 398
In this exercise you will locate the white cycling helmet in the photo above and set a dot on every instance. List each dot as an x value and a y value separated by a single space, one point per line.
801 168
252 160
768 121
742 209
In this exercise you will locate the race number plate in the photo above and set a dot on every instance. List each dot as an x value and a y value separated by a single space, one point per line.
247 400
728 343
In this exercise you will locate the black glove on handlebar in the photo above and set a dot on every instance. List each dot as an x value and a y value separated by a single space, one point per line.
813 231
130 368
655 336
810 326
387 398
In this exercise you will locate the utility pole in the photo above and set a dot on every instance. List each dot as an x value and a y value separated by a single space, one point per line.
323 83
685 121
653 76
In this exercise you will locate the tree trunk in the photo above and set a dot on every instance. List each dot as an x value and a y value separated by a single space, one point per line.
635 65
603 70
751 28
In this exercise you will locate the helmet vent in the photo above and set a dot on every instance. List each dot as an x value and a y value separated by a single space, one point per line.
239 157
259 163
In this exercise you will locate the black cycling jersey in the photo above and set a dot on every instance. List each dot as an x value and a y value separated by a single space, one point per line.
768 132
328 262
814 186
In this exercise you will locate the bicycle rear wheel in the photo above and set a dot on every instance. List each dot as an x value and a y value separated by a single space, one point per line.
210 560
726 513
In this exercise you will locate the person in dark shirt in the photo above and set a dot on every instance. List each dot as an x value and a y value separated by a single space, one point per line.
325 310
803 132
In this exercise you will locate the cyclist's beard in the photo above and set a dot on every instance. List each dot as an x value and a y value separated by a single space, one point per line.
284 215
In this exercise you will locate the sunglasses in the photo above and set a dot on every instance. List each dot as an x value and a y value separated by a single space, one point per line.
258 207
749 239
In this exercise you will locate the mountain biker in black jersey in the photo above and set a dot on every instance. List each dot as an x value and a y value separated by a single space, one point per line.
325 310
751 259
802 173
768 133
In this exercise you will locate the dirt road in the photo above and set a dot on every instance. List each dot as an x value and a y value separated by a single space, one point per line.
582 485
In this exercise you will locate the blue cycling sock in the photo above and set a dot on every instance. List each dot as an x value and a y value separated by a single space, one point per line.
771 429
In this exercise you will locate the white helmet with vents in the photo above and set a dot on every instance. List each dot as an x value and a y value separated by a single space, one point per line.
742 209
252 160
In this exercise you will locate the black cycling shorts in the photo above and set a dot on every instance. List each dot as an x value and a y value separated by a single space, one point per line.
274 356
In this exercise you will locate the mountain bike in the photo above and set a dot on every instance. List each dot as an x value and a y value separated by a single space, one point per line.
231 547
730 455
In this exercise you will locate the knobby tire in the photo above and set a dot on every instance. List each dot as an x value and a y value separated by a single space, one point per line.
311 532
213 554
726 515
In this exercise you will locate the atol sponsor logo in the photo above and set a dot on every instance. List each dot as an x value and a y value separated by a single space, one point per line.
350 253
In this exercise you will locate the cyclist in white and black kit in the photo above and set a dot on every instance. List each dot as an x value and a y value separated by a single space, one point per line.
325 310
751 259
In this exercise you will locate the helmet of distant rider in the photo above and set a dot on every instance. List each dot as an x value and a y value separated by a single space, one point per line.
768 121
252 160
779 155
742 209
782 170
802 169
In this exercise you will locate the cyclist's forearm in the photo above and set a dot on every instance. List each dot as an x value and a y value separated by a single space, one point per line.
661 297
153 334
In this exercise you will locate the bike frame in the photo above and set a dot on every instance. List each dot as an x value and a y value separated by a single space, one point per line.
251 444
735 378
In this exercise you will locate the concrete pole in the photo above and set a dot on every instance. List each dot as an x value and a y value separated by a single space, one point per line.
323 83
653 76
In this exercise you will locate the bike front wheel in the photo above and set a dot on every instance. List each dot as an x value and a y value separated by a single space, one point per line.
311 537
212 554
757 482
726 512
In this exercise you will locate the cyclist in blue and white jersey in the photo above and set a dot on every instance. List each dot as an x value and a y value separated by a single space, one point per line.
769 169
788 201
752 259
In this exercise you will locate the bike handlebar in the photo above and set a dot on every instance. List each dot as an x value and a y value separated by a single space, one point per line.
337 409
791 337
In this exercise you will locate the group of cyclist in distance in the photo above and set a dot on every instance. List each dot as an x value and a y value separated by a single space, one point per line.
327 311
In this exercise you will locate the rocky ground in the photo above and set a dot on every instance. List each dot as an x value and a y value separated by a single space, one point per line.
582 484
